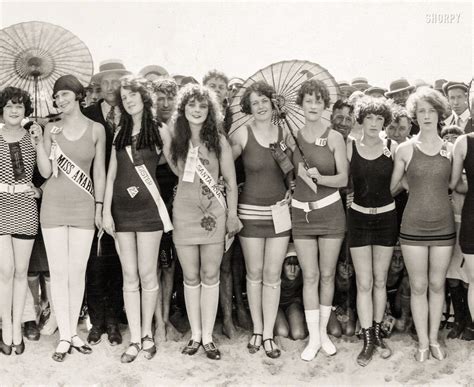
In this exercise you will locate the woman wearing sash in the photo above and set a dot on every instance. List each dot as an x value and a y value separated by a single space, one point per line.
18 211
372 220
263 247
464 158
427 234
199 153
71 206
317 213
134 211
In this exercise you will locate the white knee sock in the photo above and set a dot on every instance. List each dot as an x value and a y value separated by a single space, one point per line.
131 300
270 301
149 297
209 304
254 295
326 343
192 298
314 342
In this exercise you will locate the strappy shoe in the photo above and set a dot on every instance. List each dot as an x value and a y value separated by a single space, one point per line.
127 357
272 353
60 356
211 351
421 355
252 344
84 348
191 348
149 353
19 348
437 352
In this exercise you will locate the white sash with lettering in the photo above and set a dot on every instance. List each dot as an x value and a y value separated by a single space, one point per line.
153 189
72 171
194 164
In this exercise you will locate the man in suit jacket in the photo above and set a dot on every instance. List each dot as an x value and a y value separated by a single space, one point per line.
104 272
457 94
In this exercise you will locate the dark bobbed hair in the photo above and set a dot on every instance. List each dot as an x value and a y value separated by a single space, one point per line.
433 97
149 135
369 105
16 95
451 129
215 74
316 87
341 104
260 88
211 130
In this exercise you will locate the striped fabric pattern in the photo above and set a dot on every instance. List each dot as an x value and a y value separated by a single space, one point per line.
251 212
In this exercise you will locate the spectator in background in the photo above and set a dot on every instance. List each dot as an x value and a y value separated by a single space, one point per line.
457 94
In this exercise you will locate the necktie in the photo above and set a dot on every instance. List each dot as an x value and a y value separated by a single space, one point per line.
111 118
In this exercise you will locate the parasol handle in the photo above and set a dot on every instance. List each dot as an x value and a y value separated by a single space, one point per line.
282 115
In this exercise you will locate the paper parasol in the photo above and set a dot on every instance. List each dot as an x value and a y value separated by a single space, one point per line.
33 55
286 77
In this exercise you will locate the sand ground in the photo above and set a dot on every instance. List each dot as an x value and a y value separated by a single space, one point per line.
237 366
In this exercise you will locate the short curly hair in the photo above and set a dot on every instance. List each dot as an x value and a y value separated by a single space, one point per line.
16 95
167 86
398 112
369 105
215 74
433 97
260 88
316 87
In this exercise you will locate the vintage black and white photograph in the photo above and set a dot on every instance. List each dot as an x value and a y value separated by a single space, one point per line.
235 193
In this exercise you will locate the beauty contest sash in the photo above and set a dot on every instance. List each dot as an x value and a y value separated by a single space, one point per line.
60 161
145 176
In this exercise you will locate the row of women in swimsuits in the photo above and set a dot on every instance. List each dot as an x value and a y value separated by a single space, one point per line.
379 170
128 205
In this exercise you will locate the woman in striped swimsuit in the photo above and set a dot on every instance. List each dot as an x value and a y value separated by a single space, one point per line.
264 249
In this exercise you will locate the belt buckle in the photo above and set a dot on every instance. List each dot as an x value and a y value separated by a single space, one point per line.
373 211
313 206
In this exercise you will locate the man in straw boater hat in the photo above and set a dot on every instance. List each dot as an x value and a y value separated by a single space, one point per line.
375 91
346 89
104 272
361 83
153 72
457 94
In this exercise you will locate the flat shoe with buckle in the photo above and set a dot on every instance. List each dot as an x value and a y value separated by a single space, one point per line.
150 352
273 353
252 344
191 348
421 355
84 348
60 356
437 352
127 357
211 351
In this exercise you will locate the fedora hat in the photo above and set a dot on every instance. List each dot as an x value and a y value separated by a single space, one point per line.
399 85
153 69
438 84
375 89
109 66
360 83
454 85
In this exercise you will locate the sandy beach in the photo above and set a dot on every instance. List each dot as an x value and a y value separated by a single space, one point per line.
237 366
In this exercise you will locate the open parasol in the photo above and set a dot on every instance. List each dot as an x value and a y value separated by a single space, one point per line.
33 55
286 78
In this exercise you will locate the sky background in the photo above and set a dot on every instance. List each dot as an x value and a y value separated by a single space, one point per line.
382 41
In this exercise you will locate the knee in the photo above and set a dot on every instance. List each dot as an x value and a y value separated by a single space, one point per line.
21 273
311 278
281 330
6 271
327 279
149 280
418 287
380 283
298 333
437 286
365 285
255 274
271 274
131 280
